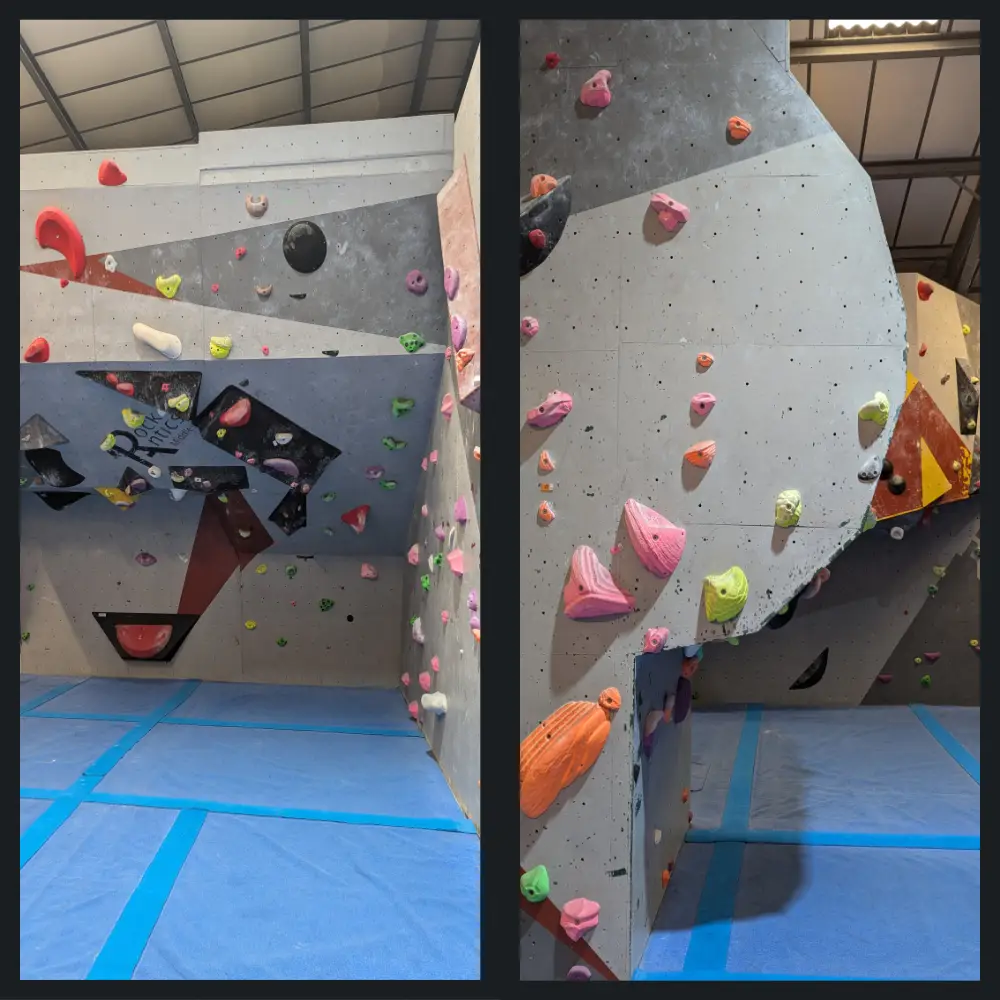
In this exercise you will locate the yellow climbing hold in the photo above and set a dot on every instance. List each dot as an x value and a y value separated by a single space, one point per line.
788 509
261 569
132 419
876 409
249 624
108 443
725 594
219 347
181 403
966 329
783 611
167 287
917 660
939 571
220 433
973 643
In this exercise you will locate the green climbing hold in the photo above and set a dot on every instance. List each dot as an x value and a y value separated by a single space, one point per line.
925 681
31 586
783 610
932 590
425 582
437 558
328 531
401 406
281 641
412 342
25 636
535 884
325 604
413 618
108 443
327 497
869 521
733 640
223 498
387 484
290 572
393 444
788 509
24 482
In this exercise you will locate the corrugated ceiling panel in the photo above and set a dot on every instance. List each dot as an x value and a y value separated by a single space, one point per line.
449 58
440 95
29 92
955 119
195 39
356 39
266 63
899 103
840 90
250 106
798 30
104 60
961 209
42 35
366 75
109 105
889 195
927 211
457 29
61 145
38 124
295 118
393 103
157 130
801 73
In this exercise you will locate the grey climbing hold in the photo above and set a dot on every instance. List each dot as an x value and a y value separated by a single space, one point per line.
870 471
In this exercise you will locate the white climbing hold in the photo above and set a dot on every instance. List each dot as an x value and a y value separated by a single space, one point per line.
166 343
436 703
110 264
896 533
657 836
176 494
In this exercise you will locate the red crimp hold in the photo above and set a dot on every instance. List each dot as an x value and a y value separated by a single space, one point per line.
537 238
552 60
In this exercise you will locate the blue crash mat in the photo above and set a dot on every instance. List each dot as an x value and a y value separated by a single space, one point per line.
55 752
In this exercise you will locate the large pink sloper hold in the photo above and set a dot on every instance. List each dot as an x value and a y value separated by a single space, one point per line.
551 410
579 916
658 543
595 93
590 591
670 213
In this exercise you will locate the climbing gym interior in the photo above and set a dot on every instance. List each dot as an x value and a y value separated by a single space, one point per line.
249 492
750 454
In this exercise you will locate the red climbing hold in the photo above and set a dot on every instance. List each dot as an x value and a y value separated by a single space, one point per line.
932 657
63 282
55 230
143 642
924 290
237 415
357 518
125 388
552 60
38 351
537 238
110 174
923 350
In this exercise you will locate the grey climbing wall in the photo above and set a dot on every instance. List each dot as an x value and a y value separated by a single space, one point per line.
318 357
782 273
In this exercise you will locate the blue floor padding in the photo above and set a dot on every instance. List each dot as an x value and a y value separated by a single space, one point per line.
857 912
714 739
272 768
962 723
55 752
871 769
31 809
114 696
289 899
36 689
76 887
297 705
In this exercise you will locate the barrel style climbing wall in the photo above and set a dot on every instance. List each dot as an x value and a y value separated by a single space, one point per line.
230 370
712 329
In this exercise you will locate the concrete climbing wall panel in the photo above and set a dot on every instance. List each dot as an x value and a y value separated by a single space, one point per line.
780 271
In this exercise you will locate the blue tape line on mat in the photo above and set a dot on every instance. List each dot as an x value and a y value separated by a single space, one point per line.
708 947
43 793
756 977
949 744
319 815
35 837
127 941
823 838
86 716
294 727
54 692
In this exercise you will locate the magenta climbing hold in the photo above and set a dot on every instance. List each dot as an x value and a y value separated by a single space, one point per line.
658 543
451 281
405 680
590 591
444 617
456 560
145 559
240 253
368 572
459 331
473 601
413 708
529 326
670 213
578 974
413 556
461 510
435 664
440 532
425 680
423 465
447 408
551 410
596 92
374 472
702 403
654 639
416 283
579 916
433 457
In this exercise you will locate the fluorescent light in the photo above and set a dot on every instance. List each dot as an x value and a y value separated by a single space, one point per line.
881 27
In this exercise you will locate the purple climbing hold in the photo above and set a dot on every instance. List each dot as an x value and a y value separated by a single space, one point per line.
451 282
474 621
145 559
283 466
374 472
578 974
551 410
473 601
416 283
459 331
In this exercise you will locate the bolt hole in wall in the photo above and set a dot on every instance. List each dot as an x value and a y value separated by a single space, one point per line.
699 778
228 395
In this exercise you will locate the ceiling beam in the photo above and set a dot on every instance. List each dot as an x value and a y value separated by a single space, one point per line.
423 66
907 170
963 243
306 72
175 68
921 253
929 46
468 68
40 80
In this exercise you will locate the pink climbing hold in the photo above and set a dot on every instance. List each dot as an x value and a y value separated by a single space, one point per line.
412 708
537 239
424 510
447 354
615 549
459 331
596 92
578 974
433 456
658 543
215 288
529 326
670 213
814 586
456 560
551 410
579 916
590 591
702 403
435 664
413 556
265 350
451 280
447 408
425 680
368 572
240 252
474 622
423 465
405 680
884 678
237 415
654 639
932 657
439 532
64 282
416 283
444 617
461 510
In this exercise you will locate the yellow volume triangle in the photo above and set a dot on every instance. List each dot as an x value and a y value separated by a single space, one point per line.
933 482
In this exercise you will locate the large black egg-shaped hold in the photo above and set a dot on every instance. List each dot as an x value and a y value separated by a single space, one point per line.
304 247
682 703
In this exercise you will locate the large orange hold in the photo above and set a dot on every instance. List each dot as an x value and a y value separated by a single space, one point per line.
143 642
562 748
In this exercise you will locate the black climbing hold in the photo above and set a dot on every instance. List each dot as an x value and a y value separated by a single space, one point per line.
52 467
813 674
886 469
243 383
290 514
297 295
682 700
897 485
304 247
968 396
331 354
548 213
781 619
59 501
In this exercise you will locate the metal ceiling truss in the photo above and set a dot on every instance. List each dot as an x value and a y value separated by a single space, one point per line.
40 80
963 255
175 68
306 72
813 51
906 170
423 66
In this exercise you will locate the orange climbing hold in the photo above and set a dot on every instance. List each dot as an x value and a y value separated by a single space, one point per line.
545 463
705 360
542 184
55 230
664 878
463 357
685 794
545 512
739 129
562 748
701 454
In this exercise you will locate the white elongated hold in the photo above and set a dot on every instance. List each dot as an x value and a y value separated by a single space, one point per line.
166 343
436 703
